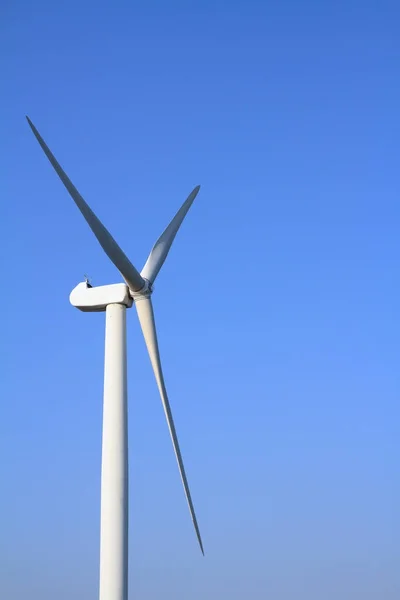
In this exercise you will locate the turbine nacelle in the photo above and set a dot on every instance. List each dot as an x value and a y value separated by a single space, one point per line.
87 298
96 299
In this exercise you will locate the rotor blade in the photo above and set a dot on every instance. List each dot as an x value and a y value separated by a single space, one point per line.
161 248
107 242
146 318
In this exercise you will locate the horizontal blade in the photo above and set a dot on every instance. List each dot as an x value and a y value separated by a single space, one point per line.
115 254
161 248
146 317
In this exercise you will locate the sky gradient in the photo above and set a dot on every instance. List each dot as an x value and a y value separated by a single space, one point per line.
277 308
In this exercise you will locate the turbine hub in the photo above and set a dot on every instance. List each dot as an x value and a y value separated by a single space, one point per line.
145 292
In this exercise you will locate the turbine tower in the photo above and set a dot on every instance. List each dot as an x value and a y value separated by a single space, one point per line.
114 300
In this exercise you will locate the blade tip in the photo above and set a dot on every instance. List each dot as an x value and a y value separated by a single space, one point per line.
31 125
201 545
194 192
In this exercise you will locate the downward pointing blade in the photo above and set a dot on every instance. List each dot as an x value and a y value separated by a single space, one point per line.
107 242
146 317
162 246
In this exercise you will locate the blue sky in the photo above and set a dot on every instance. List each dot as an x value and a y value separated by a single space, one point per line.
277 308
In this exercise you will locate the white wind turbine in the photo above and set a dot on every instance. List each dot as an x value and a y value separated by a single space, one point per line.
114 300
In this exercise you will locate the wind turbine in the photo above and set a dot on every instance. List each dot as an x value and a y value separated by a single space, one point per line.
114 300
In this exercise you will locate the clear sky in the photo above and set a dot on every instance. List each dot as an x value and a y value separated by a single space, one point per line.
277 309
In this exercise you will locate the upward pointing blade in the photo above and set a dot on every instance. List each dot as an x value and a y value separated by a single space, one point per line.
162 246
146 317
115 254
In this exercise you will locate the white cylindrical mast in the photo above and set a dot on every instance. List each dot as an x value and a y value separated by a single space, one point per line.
114 470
